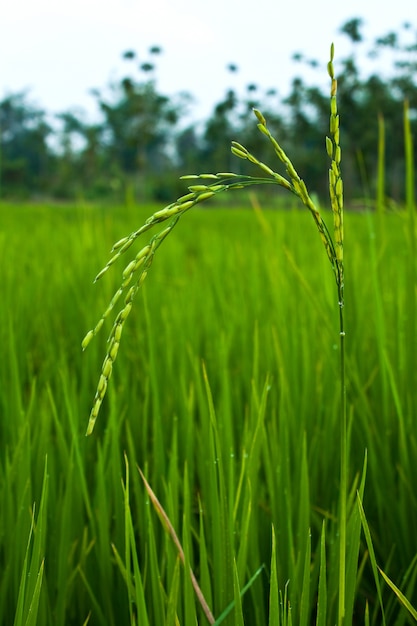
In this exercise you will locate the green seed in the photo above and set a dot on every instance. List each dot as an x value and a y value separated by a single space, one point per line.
188 196
205 196
118 332
164 233
129 269
142 278
263 129
239 153
114 348
125 312
138 264
197 188
187 205
98 325
102 386
130 294
100 274
329 147
339 187
167 212
239 146
120 243
107 367
267 169
260 117
87 340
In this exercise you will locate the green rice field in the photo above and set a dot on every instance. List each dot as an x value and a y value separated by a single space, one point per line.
226 395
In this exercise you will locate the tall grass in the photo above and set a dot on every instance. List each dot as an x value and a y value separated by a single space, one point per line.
252 476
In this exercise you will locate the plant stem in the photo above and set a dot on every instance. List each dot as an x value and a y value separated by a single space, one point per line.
343 462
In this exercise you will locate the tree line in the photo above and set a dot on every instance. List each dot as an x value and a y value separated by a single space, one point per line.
141 142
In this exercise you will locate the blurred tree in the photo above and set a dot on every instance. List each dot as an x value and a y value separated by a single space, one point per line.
139 124
81 166
351 28
25 156
362 98
220 130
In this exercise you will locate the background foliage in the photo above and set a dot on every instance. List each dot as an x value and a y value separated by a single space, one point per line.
143 140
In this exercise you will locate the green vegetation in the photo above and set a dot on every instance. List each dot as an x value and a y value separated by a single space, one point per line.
242 293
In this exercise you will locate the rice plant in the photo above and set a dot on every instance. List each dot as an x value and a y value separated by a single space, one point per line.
210 185
135 273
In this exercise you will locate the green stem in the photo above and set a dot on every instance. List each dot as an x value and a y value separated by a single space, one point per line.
343 462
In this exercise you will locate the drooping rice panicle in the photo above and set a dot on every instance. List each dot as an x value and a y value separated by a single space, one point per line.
137 269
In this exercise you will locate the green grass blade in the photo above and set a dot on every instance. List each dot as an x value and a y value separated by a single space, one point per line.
171 615
18 620
237 599
191 588
367 614
32 574
305 590
133 580
322 591
353 546
123 570
371 556
242 592
404 601
220 513
32 617
274 614
205 578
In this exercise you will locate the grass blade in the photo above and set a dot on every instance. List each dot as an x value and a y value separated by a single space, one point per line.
171 618
32 575
371 555
353 546
32 616
305 591
322 593
274 615
404 601
242 592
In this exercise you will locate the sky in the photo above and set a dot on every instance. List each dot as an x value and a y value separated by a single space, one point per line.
59 51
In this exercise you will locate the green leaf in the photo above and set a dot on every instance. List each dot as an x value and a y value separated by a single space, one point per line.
404 601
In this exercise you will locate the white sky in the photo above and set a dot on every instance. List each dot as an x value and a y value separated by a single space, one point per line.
61 49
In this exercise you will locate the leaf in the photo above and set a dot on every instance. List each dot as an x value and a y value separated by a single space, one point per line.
406 603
